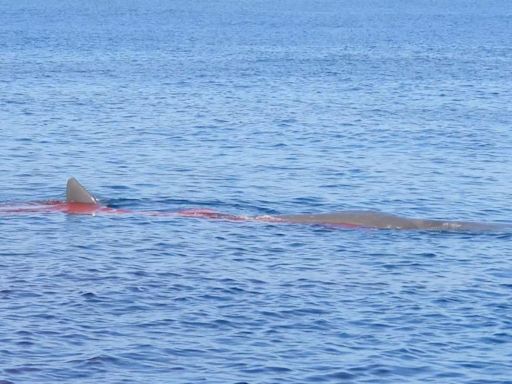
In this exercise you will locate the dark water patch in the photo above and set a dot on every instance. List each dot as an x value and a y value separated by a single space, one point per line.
21 370
332 377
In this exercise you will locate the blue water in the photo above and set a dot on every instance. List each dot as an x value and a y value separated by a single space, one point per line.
256 107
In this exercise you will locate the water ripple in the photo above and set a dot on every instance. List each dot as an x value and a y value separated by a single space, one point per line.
255 109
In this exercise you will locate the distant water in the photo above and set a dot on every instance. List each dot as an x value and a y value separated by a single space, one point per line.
256 107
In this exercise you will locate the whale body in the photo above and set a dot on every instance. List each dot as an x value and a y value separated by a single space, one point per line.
80 201
379 220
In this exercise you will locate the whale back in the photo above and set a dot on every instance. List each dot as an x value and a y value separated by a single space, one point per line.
369 219
372 219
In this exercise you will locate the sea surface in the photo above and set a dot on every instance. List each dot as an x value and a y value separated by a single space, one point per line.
255 107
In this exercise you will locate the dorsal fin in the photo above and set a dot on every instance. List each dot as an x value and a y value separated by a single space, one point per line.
76 193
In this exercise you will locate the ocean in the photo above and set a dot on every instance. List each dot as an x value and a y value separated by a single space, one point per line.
255 108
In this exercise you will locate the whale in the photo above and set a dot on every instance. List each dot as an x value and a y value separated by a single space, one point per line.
380 220
80 201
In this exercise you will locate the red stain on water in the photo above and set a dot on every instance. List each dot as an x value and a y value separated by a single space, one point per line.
210 214
97 209
58 206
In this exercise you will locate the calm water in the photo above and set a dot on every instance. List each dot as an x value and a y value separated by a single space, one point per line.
256 107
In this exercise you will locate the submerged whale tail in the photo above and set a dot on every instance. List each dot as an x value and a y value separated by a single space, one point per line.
76 193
